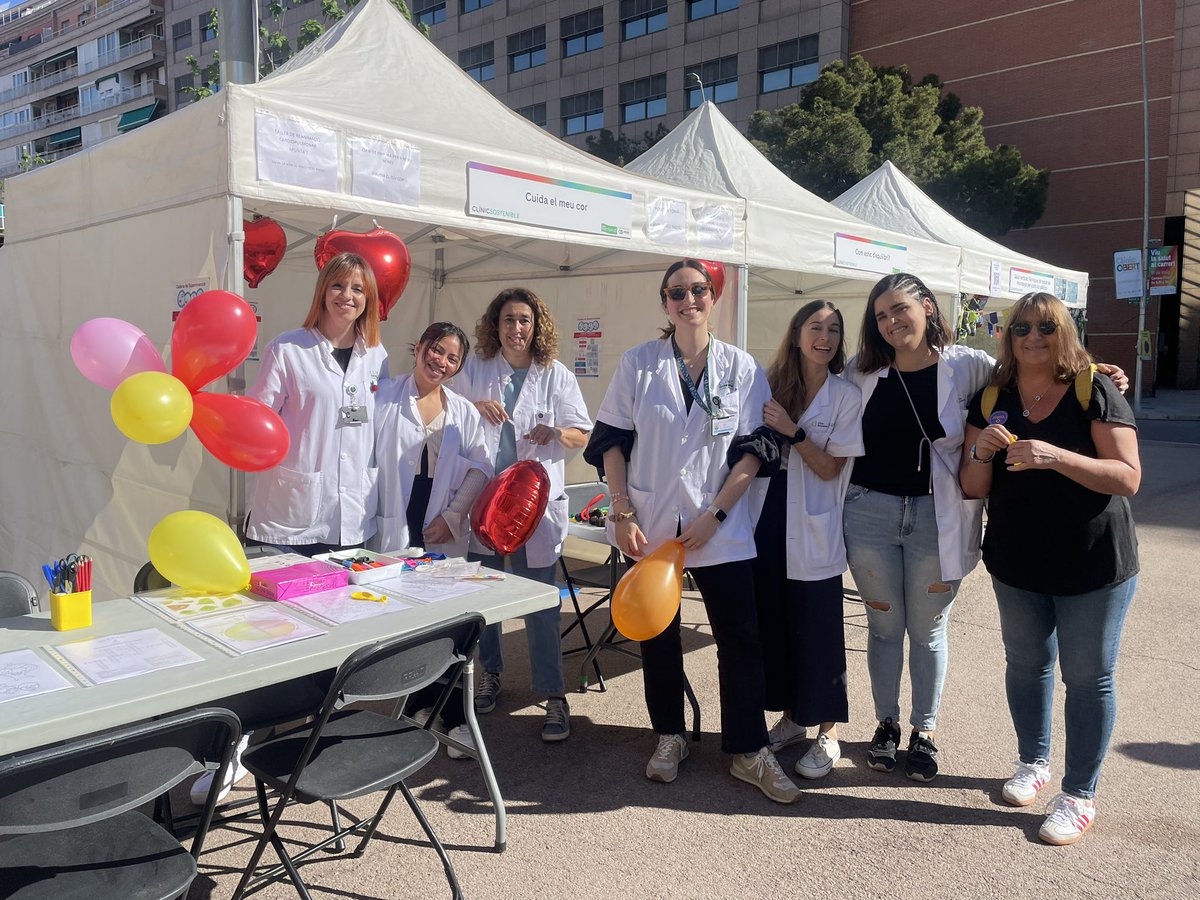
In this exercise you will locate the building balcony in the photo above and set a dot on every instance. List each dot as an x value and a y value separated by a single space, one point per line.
135 53
104 17
8 170
110 100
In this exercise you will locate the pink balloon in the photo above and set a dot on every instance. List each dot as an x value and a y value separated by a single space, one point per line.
107 351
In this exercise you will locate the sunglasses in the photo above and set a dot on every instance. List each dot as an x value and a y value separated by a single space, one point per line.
1021 329
680 293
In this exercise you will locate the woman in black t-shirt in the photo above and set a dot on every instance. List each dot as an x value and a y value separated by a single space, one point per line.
1056 454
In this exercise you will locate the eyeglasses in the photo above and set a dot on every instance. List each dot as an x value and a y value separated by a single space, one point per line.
680 293
1021 329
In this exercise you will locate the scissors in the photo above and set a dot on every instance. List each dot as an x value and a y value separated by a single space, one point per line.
65 573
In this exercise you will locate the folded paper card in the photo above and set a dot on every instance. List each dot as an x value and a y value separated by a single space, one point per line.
298 580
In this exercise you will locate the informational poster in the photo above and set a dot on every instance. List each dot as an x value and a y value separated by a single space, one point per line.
1127 273
1164 270
294 151
118 656
385 170
187 291
25 674
254 628
1067 291
714 226
1027 281
511 196
995 284
666 221
586 344
853 252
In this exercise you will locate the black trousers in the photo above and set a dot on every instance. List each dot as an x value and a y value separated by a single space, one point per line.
727 591
803 635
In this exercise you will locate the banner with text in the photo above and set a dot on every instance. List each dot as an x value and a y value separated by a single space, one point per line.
1164 270
866 255
511 196
1127 273
294 151
1027 281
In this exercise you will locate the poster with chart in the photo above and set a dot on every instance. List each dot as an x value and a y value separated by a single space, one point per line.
254 628
118 656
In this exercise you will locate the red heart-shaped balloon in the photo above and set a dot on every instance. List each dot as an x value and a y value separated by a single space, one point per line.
264 248
385 254
716 274
508 510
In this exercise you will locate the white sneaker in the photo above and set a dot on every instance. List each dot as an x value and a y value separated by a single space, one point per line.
1067 818
819 759
664 764
234 774
784 733
462 734
762 770
1022 788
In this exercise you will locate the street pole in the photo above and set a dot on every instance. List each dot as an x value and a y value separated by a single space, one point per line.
239 41
1145 298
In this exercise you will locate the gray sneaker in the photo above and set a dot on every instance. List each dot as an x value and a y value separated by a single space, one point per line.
762 770
558 720
488 693
784 733
664 764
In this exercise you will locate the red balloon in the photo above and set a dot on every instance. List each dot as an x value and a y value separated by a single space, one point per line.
264 248
240 431
213 333
508 510
385 254
716 274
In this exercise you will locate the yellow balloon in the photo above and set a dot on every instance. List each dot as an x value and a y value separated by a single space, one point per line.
199 552
647 597
151 407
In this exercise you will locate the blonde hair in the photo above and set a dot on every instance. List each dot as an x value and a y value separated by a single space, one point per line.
1070 358
346 265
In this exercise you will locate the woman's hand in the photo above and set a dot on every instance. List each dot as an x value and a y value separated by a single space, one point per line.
992 440
630 539
438 532
542 435
492 411
1115 374
1033 455
700 529
776 418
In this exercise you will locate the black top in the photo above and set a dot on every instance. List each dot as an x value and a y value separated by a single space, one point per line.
342 356
1045 532
891 437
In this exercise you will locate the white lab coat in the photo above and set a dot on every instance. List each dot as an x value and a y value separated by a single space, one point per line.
324 489
549 396
677 465
816 549
962 371
399 439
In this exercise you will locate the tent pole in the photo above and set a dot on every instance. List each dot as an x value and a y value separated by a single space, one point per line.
740 322
236 380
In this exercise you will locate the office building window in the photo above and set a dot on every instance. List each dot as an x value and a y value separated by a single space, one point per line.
786 65
182 84
535 113
472 5
527 49
720 82
428 12
640 17
181 35
583 112
479 61
702 9
582 32
644 98
208 26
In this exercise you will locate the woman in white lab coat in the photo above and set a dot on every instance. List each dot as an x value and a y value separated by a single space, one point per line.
322 379
532 408
677 410
817 418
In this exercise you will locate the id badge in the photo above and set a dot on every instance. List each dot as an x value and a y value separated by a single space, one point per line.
722 426
353 415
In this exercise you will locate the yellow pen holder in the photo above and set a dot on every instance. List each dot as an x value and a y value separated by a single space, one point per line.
68 611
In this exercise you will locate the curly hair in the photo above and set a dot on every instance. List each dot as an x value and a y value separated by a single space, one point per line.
544 345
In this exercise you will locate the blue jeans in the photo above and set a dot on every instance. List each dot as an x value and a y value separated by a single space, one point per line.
541 630
892 548
1084 632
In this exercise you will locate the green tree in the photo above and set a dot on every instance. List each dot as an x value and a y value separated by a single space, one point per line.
621 150
854 117
206 81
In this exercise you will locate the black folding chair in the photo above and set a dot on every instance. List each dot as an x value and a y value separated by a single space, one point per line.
73 809
347 753
17 595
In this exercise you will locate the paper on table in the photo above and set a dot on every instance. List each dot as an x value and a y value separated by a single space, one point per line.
338 607
278 561
424 588
117 656
25 674
454 569
254 628
178 603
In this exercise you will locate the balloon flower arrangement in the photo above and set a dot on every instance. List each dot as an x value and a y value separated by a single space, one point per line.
213 334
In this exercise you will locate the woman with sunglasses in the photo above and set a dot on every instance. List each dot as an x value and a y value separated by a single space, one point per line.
816 419
1057 474
676 437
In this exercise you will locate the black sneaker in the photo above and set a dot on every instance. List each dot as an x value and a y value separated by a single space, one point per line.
881 755
921 764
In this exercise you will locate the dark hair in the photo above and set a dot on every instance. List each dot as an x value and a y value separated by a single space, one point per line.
669 328
439 330
874 352
342 266
1069 359
785 375
545 332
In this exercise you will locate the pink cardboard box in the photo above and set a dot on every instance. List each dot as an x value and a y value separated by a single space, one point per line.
298 580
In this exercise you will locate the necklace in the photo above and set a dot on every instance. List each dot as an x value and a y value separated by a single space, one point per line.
1026 411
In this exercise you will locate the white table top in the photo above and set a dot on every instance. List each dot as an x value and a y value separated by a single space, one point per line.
584 532
48 718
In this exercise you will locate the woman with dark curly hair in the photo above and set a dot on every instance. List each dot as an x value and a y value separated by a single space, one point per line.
532 409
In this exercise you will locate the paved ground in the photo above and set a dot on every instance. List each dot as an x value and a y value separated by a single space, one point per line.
585 823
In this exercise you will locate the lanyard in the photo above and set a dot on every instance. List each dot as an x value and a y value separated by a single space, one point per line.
713 406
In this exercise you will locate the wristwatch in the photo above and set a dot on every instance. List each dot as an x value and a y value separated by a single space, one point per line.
798 437
719 514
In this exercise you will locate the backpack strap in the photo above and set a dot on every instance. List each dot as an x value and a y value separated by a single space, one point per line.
991 394
1083 386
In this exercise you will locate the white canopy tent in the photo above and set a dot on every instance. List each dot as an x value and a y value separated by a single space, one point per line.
887 198
798 246
371 122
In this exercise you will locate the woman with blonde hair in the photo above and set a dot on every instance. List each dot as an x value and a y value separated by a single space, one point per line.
1053 447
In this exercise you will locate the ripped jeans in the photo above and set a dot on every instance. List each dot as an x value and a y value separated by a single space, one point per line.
892 548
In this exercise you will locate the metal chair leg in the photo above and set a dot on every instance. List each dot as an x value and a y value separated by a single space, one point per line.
451 875
485 764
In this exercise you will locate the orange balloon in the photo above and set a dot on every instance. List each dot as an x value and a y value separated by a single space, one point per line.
647 597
